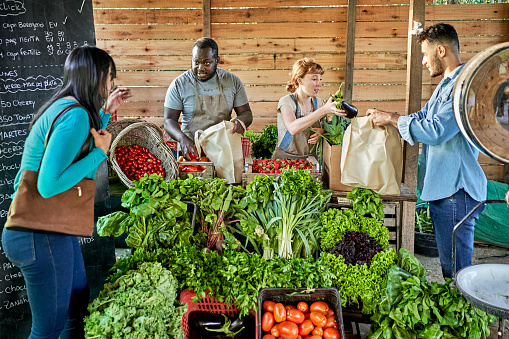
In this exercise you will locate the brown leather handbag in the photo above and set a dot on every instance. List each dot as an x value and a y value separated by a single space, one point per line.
69 212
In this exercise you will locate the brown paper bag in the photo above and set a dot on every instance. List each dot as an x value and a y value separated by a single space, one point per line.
372 158
224 149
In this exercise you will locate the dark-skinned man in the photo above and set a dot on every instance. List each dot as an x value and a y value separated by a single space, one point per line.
204 95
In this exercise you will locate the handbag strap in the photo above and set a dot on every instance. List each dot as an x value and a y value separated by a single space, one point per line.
86 146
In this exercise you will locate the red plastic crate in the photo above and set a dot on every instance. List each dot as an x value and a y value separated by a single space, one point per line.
208 304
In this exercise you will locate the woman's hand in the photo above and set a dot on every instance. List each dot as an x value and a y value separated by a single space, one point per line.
102 139
116 97
330 108
313 138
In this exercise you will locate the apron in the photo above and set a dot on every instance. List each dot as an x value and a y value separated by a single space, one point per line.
298 141
209 110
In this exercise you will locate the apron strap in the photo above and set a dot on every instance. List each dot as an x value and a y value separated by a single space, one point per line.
287 139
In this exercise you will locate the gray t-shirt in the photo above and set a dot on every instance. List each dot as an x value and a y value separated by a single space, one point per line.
181 94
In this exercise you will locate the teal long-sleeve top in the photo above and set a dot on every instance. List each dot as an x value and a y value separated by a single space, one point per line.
58 170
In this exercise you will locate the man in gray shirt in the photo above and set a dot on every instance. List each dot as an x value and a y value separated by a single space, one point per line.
205 95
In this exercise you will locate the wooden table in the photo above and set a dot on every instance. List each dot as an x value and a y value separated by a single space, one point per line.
406 222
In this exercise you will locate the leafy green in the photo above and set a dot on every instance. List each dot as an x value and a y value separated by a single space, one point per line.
412 307
359 285
141 304
251 135
156 217
335 129
234 277
336 222
423 221
264 146
338 96
282 215
366 201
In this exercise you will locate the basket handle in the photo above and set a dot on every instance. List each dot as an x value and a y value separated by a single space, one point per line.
197 142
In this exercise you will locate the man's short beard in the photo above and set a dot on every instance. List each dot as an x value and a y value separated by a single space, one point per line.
437 67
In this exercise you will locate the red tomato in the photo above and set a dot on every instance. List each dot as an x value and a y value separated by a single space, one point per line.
330 311
295 316
331 333
288 330
268 305
318 319
290 307
274 331
268 336
331 321
317 331
191 155
204 159
306 327
303 306
315 337
319 306
279 313
267 321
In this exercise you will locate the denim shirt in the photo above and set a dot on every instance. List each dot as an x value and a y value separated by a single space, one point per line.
448 161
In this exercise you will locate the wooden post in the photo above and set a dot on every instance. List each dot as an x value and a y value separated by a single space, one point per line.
413 104
350 50
207 31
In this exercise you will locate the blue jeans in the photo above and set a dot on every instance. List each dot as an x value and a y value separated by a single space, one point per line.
445 214
56 284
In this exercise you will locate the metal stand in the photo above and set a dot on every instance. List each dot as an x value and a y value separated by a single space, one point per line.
458 225
473 299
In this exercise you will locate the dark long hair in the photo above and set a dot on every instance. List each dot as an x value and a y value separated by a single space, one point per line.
85 74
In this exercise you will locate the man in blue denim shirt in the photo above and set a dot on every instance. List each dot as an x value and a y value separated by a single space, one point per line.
449 176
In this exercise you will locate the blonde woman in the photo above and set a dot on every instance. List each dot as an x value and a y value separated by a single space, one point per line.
300 110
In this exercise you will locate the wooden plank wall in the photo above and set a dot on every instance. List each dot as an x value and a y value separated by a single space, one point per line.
259 40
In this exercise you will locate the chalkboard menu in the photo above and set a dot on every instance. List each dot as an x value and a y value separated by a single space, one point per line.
35 38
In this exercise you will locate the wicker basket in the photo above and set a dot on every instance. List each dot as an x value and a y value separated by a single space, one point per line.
148 135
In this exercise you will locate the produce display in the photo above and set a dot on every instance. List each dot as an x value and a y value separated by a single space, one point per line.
291 321
265 144
359 274
136 160
155 219
208 325
192 167
281 215
423 221
278 165
412 307
267 235
143 303
367 203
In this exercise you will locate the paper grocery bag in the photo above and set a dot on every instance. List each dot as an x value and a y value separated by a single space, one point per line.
224 149
372 158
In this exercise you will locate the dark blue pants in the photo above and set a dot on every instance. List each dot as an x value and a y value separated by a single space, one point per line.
56 284
445 214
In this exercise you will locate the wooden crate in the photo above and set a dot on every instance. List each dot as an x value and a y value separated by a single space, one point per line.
249 176
210 170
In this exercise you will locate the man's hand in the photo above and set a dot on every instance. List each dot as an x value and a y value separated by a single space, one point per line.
187 147
237 128
380 118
